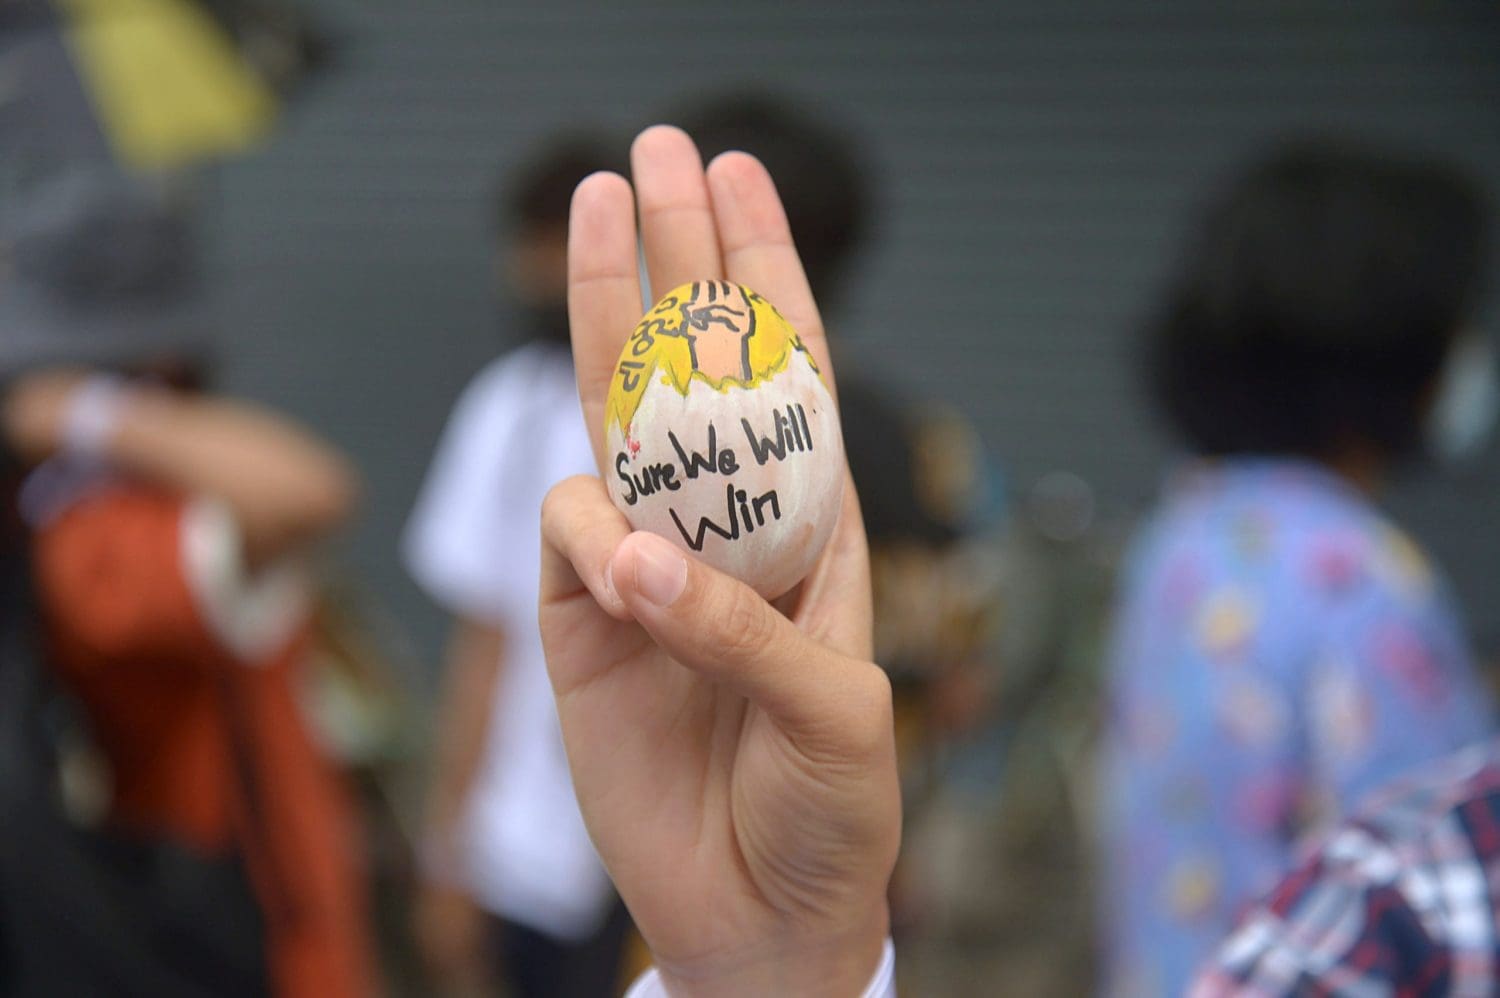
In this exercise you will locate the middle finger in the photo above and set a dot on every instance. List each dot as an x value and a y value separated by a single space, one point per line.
677 223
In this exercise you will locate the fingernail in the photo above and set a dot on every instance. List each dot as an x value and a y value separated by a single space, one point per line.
660 570
610 592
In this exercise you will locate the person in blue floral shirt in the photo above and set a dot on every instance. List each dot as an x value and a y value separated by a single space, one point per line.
1280 648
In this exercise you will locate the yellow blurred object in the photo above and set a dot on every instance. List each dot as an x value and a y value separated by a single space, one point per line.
166 82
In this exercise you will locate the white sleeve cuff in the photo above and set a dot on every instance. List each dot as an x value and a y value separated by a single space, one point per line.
882 985
93 414
253 616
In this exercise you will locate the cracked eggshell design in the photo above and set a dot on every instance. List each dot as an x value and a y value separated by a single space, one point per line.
721 436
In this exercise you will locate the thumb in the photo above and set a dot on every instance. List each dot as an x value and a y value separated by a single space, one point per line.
723 630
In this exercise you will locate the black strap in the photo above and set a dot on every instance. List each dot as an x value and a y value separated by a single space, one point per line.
278 904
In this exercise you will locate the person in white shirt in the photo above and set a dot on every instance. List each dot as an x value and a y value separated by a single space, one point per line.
511 886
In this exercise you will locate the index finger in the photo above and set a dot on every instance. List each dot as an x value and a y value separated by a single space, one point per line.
677 223
604 289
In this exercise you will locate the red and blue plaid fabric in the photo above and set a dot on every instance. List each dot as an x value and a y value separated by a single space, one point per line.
1401 901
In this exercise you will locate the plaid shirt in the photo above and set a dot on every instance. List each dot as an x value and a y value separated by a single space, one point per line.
1402 900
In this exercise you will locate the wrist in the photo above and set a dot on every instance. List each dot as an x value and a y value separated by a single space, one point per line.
64 412
838 963
32 418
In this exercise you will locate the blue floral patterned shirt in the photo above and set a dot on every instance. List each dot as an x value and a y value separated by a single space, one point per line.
1279 651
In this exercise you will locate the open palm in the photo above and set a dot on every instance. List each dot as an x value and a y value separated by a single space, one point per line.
734 763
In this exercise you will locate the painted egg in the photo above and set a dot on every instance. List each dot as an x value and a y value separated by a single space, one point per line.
721 435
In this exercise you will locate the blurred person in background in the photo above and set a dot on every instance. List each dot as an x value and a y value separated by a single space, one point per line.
511 887
827 194
825 188
167 532
920 471
1280 648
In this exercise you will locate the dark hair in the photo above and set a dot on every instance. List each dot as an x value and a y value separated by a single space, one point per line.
815 165
1316 303
538 192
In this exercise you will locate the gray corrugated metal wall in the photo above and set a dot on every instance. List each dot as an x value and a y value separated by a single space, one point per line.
1036 161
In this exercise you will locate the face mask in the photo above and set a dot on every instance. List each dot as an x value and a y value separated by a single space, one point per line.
1467 401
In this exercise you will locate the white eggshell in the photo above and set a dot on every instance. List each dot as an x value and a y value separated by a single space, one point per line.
721 436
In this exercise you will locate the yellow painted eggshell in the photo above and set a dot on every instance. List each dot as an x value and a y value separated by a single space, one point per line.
721 435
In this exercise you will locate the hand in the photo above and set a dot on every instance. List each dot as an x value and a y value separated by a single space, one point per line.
718 329
736 767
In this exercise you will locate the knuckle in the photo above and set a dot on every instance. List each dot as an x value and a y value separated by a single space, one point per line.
570 490
552 504
565 507
744 630
555 518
